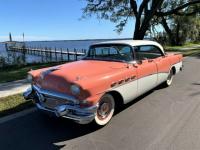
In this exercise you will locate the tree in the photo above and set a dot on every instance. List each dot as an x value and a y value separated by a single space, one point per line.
120 11
195 33
177 25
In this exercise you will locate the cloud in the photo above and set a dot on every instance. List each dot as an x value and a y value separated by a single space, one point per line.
26 38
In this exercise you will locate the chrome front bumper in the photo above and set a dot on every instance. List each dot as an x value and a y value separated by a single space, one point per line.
70 110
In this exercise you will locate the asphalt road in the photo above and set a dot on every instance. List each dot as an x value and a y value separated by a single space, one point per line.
163 119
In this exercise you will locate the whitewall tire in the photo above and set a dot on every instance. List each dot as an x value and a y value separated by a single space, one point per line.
105 110
169 78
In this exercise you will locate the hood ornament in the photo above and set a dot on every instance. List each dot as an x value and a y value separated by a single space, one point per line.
46 72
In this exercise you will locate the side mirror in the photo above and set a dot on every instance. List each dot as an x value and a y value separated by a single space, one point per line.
136 63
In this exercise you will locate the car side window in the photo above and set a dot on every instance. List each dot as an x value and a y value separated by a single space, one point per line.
126 50
103 51
147 52
113 51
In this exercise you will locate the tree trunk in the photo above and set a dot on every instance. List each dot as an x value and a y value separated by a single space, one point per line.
138 35
142 26
168 31
177 34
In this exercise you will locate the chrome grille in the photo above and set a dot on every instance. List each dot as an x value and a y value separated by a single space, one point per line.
52 99
52 102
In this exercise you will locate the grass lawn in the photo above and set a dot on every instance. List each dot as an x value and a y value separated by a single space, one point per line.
183 46
188 49
18 73
13 104
185 53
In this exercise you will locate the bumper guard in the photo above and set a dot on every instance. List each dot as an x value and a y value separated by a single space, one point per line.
74 112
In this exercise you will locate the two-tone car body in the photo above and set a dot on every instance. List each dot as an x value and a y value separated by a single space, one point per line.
111 74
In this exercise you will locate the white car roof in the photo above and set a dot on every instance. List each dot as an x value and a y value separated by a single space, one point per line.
133 43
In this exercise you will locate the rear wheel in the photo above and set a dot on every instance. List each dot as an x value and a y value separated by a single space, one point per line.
170 77
105 110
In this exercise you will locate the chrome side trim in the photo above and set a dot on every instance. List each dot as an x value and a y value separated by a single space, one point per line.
56 94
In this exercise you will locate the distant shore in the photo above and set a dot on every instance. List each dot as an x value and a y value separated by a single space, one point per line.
72 40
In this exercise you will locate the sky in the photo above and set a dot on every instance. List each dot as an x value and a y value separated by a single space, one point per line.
53 20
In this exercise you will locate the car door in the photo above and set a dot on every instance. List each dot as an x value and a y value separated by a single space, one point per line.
162 62
146 69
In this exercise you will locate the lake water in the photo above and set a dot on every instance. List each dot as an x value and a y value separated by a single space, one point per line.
68 44
81 44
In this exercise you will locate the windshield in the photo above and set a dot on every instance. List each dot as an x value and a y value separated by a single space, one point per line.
110 52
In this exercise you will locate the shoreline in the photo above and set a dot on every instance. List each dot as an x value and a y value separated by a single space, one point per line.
3 42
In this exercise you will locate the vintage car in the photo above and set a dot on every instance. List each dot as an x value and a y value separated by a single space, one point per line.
111 74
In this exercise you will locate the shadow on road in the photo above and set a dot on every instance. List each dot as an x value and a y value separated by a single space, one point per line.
195 93
196 83
36 131
137 100
18 108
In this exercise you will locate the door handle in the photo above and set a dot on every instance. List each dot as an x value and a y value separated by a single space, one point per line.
135 65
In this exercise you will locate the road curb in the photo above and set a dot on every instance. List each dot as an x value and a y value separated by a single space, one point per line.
17 115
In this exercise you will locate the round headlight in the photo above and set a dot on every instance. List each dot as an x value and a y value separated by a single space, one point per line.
30 78
75 89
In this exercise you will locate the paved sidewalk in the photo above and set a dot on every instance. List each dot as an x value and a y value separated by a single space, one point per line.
15 87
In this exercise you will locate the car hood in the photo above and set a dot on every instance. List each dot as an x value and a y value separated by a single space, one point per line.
60 78
88 68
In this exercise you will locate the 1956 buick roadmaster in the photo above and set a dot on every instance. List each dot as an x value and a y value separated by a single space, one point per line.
111 74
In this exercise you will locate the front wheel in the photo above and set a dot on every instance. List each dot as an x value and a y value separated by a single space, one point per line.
105 110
